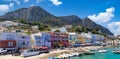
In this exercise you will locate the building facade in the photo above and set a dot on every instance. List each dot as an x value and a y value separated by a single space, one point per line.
72 38
8 44
97 39
41 39
87 38
59 40
22 41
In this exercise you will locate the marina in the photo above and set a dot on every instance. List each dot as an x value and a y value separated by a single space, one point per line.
109 53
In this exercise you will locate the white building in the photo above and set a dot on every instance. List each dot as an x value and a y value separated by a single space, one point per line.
41 39
46 39
36 40
9 36
22 41
72 37
9 23
97 39
87 37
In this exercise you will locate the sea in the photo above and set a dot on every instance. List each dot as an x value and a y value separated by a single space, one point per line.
108 55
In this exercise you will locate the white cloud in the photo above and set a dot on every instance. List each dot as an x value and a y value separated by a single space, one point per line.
56 2
4 9
114 27
17 1
103 17
11 4
26 0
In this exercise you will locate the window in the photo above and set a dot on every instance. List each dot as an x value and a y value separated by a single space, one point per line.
10 43
23 43
39 42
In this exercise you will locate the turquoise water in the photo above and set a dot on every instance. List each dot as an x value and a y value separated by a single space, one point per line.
108 55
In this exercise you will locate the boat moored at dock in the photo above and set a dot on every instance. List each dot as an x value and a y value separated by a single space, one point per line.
102 51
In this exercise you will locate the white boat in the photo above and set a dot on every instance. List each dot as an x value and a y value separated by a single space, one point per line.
29 52
75 54
103 51
93 49
116 52
33 51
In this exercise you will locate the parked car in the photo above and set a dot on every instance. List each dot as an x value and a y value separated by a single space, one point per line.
2 51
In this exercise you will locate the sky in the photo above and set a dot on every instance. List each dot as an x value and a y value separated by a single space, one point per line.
103 12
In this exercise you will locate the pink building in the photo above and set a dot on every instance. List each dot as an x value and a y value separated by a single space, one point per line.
59 40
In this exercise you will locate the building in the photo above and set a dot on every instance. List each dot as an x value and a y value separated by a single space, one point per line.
8 44
68 27
36 40
41 39
46 39
72 38
22 41
9 23
59 40
97 39
87 38
35 29
8 36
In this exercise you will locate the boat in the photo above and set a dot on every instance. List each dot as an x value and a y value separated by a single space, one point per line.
32 52
89 53
116 52
75 54
102 51
92 49
29 52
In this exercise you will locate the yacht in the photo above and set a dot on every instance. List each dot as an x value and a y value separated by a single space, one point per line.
31 52
102 51
116 52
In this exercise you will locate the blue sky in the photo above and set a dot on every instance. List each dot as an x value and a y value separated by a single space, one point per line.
103 12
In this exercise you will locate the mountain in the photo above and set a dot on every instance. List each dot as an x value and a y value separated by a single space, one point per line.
37 14
85 23
33 13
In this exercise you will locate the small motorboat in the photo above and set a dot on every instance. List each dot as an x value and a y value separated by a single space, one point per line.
89 53
102 51
75 54
29 52
116 52
93 50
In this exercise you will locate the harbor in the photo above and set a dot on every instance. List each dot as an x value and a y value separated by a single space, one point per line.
108 55
59 29
70 53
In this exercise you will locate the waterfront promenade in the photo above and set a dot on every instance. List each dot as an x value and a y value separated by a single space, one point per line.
53 53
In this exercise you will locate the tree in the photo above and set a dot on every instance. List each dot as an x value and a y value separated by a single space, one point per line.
28 32
78 29
41 28
84 29
44 27
57 31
